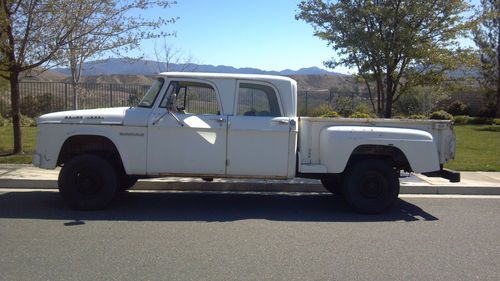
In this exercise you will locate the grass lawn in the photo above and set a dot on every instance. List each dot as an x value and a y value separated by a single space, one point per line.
6 145
478 147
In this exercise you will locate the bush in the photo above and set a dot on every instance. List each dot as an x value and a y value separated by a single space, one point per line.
4 121
27 121
462 119
488 110
418 116
359 115
441 115
481 121
496 121
330 114
320 111
458 108
36 105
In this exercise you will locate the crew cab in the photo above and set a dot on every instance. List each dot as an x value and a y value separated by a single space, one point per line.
235 126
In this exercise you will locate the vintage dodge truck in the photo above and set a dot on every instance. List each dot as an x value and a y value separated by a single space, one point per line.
235 126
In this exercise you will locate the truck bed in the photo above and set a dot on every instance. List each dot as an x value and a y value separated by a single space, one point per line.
311 127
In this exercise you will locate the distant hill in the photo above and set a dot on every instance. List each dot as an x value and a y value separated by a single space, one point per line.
147 67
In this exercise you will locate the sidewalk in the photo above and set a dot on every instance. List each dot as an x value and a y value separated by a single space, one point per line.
473 183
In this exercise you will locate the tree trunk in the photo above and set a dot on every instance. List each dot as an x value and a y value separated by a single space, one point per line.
497 113
497 9
16 112
388 96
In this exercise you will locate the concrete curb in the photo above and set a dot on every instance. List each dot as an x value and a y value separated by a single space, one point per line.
260 186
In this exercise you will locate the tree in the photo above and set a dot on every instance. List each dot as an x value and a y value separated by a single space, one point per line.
112 28
37 31
169 58
394 44
487 39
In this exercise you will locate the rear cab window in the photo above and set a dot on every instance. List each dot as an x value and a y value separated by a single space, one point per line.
257 100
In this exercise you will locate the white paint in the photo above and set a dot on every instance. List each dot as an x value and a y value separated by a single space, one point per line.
150 141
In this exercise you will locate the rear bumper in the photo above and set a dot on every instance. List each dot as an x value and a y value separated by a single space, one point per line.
452 176
36 160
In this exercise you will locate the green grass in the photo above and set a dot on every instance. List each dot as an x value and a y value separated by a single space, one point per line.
478 147
7 143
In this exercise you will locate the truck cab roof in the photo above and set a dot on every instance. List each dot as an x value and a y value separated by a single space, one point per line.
226 84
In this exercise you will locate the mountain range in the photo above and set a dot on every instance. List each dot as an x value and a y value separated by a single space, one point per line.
148 67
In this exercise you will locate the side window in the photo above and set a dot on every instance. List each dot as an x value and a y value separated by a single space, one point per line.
257 100
192 98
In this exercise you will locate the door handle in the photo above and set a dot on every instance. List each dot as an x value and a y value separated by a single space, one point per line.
281 121
219 120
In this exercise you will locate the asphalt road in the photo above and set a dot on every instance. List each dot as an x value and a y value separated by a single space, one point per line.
194 236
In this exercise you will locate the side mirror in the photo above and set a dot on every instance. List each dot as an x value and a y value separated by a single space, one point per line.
171 102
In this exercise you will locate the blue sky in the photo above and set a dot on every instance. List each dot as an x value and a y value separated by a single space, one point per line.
243 33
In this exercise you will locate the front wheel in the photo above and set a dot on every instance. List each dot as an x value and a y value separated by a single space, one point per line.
87 182
371 186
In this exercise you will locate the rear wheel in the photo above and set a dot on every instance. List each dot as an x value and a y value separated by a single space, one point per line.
87 182
333 183
371 186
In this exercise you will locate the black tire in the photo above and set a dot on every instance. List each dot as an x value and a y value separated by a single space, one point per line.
333 184
126 182
371 186
87 182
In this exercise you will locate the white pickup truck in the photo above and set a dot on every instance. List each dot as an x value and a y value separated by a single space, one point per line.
235 126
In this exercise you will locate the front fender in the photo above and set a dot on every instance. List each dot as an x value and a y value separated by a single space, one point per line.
338 142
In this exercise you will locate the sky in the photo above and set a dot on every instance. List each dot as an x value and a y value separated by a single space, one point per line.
261 34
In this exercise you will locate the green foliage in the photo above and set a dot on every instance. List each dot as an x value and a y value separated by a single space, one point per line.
360 115
496 121
481 121
418 116
486 35
27 121
461 119
4 121
36 105
458 108
488 110
331 114
344 105
319 111
394 45
441 115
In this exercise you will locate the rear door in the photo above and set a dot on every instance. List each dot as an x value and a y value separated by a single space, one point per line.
258 133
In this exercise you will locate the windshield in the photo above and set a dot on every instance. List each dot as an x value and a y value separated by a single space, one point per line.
149 98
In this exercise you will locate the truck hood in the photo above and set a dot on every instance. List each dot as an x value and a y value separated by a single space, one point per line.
104 116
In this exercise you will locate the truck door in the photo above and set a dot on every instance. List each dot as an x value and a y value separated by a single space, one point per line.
258 133
190 138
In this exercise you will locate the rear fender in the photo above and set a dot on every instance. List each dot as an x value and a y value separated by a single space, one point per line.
337 144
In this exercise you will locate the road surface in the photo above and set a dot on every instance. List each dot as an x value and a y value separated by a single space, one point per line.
227 236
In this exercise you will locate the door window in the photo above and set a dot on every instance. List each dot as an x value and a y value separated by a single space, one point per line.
257 100
192 98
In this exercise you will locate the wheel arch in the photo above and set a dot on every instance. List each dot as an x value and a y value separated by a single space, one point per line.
95 144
